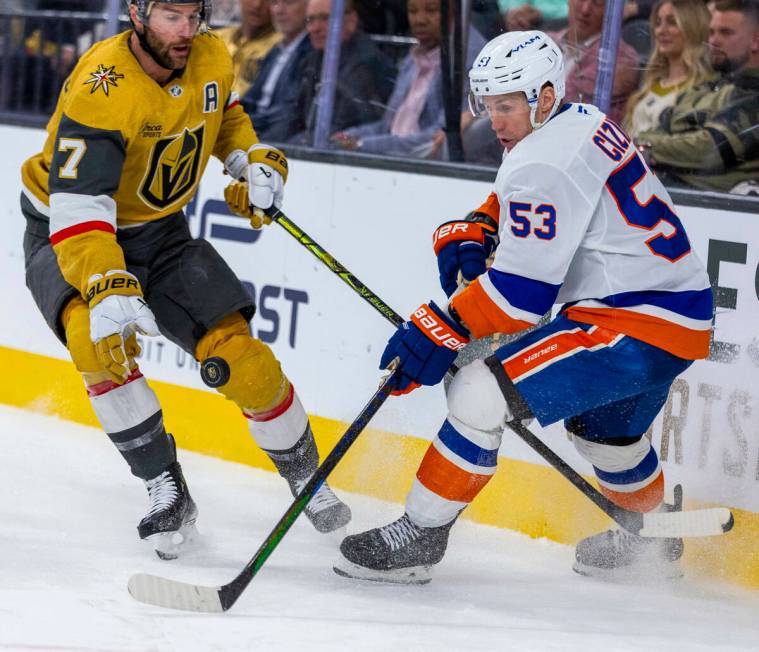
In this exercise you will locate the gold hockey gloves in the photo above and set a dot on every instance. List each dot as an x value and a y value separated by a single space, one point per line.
237 197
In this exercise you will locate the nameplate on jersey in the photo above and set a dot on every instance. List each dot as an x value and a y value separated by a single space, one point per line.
173 168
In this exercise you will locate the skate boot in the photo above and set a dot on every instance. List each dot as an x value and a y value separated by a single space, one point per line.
619 555
326 511
400 552
296 465
170 521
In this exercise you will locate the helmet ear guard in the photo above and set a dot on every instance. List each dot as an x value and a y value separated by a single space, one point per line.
518 62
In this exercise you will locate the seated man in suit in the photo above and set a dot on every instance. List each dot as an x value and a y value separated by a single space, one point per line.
271 100
364 78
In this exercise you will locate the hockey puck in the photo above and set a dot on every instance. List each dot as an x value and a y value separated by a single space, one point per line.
214 372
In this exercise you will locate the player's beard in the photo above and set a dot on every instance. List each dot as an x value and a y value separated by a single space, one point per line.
161 51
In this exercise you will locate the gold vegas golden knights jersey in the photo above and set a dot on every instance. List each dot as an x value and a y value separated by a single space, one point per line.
122 149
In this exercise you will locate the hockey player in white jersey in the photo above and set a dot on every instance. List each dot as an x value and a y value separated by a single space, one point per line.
580 221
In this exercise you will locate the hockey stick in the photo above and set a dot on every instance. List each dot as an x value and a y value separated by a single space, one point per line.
162 592
333 264
691 523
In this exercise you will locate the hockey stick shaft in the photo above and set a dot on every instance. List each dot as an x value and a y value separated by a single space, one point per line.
234 589
180 595
335 266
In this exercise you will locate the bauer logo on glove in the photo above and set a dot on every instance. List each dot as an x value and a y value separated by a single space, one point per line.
437 330
113 283
425 347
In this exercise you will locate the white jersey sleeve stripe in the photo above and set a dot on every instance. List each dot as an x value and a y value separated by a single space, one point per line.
68 210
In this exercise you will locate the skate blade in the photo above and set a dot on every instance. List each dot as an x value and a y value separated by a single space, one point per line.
410 575
640 573
169 545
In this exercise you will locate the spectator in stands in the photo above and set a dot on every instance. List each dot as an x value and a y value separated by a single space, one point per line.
272 97
415 111
249 42
710 138
50 50
519 15
382 16
364 78
680 60
637 9
225 12
580 42
487 19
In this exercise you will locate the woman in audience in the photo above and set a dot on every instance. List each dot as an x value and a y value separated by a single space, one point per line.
415 111
679 60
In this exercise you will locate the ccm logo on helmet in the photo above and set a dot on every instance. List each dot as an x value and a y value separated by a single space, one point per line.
436 330
532 39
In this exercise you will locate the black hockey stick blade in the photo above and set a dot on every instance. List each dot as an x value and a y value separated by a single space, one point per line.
163 592
692 523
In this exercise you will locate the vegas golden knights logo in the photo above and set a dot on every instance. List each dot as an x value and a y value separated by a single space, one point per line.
173 168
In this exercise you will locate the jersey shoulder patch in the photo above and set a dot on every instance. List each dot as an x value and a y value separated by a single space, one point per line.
103 84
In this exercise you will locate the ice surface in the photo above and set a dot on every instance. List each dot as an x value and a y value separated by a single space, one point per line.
68 544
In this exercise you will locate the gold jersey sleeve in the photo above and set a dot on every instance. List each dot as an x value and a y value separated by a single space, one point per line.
123 150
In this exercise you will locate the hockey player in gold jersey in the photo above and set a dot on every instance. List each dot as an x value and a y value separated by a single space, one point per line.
109 254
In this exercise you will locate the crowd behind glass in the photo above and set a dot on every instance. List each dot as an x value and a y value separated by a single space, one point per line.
686 84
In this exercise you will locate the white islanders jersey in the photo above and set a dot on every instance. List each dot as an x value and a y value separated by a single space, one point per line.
584 222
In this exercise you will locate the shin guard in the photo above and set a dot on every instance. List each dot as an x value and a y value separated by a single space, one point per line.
463 457
132 418
629 475
458 464
285 435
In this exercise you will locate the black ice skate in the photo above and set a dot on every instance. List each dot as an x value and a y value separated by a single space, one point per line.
170 521
401 552
619 555
326 511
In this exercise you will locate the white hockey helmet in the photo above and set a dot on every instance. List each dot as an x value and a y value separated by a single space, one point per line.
514 62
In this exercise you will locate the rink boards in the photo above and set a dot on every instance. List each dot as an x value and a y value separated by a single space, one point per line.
378 223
